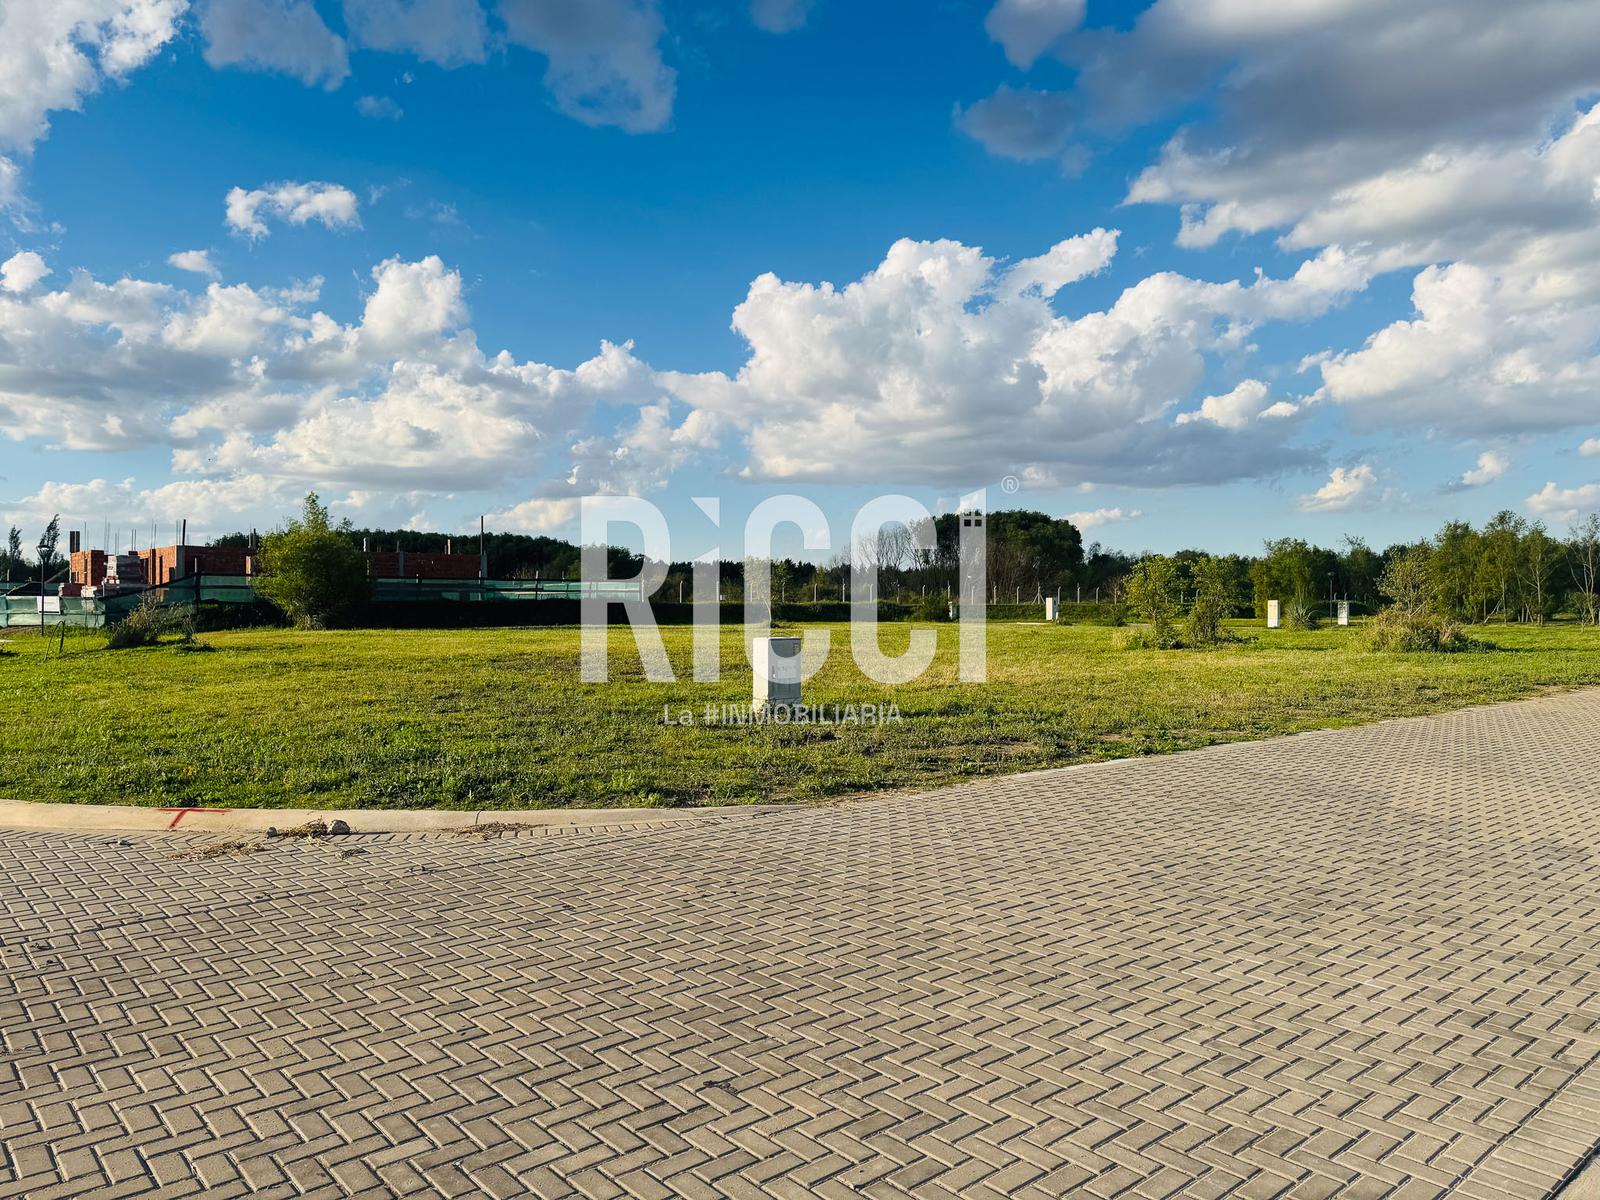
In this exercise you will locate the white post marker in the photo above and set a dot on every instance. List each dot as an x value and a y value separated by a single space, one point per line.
1049 608
1274 615
1344 612
775 670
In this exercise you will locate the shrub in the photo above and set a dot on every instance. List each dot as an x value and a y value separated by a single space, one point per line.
312 571
1145 637
1215 596
1401 630
141 627
1152 595
1408 580
1300 614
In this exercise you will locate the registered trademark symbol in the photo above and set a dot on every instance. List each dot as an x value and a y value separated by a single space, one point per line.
1011 485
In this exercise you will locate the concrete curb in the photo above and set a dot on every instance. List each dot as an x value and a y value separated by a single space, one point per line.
36 816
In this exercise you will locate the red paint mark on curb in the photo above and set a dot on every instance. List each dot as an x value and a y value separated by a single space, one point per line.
183 812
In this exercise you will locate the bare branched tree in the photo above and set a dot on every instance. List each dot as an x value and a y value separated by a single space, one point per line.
1583 546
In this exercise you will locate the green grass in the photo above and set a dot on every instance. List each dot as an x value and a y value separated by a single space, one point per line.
497 717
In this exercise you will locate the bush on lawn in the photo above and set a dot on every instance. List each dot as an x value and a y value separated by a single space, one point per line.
145 625
1215 594
1412 624
313 571
1398 630
1301 615
1146 637
1153 597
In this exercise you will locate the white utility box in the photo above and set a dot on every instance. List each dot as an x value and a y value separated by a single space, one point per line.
775 670
1274 614
1049 608
1344 612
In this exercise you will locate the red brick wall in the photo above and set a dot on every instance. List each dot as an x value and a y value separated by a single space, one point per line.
385 564
216 560
161 564
88 567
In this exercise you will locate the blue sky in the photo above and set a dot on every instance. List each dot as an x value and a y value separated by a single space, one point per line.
422 185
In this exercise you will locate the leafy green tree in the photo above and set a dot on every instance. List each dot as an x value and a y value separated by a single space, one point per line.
1414 622
13 552
1287 571
1216 592
1153 596
1500 563
1540 561
1029 553
1455 570
1408 580
1583 563
48 541
1360 566
311 570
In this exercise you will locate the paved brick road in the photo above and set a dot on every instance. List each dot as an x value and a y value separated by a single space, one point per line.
1353 964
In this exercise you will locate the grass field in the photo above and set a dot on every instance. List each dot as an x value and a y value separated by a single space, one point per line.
497 717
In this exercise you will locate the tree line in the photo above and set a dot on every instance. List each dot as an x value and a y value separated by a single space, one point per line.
47 560
1509 569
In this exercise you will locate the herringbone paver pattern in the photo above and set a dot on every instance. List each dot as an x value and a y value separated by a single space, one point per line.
1352 964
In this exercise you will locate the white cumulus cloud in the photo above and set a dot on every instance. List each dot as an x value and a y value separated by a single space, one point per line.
212 505
1103 516
1564 504
1491 466
379 108
1249 401
197 262
536 515
21 271
1456 138
1347 488
1321 97
247 384
297 203
413 303
604 58
1026 29
53 53
1021 123
942 364
450 33
286 36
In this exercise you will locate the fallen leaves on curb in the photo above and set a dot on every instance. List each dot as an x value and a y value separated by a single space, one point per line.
494 827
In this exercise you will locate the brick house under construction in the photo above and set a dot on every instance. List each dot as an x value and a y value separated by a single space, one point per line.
164 564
